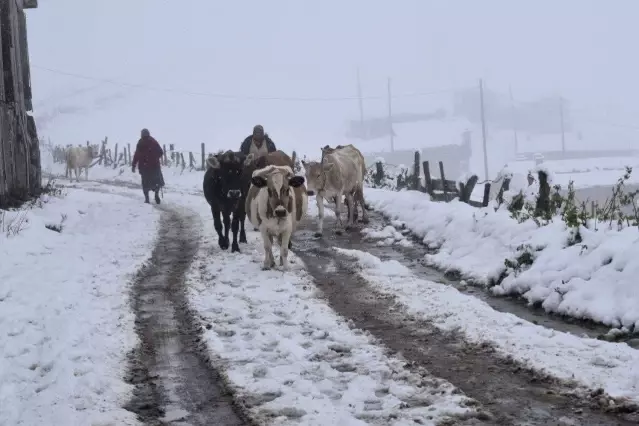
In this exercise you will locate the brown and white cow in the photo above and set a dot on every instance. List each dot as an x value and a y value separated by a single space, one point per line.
275 158
275 204
358 195
78 158
338 175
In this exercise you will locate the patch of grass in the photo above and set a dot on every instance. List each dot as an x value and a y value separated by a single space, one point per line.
13 226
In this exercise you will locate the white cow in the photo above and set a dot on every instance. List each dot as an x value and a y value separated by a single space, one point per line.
353 152
275 204
339 174
79 157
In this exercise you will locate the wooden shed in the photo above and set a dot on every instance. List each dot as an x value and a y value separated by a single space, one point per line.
20 169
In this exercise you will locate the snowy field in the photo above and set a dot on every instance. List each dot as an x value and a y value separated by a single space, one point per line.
591 363
66 324
594 280
584 172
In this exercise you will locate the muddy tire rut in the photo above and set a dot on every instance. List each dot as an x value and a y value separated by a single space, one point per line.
512 394
174 380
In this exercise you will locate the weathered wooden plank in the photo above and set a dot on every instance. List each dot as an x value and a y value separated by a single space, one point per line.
20 168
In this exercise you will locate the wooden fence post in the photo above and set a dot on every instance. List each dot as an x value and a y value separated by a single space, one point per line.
543 202
416 165
444 188
183 162
466 189
486 198
428 181
191 160
379 173
203 147
505 185
115 156
130 157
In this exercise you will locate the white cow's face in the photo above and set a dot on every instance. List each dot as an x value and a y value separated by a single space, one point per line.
280 197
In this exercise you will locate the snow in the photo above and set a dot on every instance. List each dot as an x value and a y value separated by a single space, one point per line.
283 350
387 236
591 280
66 324
592 363
286 352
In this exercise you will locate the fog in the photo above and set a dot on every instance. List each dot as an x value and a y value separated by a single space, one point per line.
207 71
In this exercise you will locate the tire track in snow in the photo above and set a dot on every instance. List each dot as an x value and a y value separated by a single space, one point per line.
514 395
171 368
174 381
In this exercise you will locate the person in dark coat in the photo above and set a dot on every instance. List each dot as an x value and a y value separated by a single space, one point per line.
259 143
147 157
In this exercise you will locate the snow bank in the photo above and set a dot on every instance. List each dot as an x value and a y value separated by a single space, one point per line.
66 324
291 358
590 362
593 280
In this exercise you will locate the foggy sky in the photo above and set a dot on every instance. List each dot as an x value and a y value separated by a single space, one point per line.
582 49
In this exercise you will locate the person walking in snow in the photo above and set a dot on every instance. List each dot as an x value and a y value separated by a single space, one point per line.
147 157
258 143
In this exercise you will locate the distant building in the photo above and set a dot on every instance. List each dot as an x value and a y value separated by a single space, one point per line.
20 169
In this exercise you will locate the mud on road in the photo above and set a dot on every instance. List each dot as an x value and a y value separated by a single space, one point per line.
512 394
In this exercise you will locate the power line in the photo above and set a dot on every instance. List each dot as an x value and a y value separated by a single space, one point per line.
235 97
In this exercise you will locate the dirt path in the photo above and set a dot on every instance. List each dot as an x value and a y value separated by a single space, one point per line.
174 380
513 395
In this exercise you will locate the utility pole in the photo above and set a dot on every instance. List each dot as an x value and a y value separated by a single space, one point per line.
361 101
561 122
483 126
390 117
514 118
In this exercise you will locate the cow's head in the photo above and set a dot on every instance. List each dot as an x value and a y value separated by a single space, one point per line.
327 150
316 175
93 151
228 167
279 183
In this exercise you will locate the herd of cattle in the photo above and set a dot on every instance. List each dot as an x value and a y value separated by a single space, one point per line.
266 189
275 200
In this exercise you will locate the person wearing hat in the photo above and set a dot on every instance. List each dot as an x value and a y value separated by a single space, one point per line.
147 157
258 143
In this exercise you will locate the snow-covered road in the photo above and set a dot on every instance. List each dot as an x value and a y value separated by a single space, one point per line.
343 338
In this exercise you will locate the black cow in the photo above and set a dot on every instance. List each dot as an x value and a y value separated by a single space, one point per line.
225 191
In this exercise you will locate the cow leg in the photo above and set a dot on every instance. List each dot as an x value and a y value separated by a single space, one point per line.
269 260
362 202
235 225
77 173
242 230
86 172
218 228
284 245
338 215
320 215
351 211
227 227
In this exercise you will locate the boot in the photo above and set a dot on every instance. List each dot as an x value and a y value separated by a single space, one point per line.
146 197
157 197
